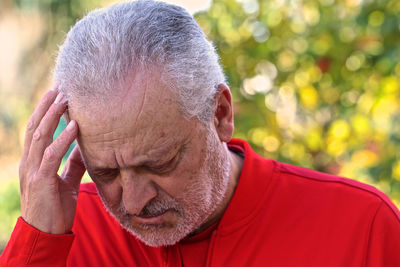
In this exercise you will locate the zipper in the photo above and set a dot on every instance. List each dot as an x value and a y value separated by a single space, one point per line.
210 252
165 256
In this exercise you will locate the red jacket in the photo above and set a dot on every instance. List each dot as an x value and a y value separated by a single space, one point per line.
280 215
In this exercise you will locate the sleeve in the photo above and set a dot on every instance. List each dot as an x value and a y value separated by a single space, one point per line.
30 247
384 239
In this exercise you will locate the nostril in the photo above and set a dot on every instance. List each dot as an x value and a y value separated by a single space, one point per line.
137 192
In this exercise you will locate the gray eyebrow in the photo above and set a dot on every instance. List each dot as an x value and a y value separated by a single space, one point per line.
161 153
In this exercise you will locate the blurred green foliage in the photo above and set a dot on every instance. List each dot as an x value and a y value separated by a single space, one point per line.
315 83
9 209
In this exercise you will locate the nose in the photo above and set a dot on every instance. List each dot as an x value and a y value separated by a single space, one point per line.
137 191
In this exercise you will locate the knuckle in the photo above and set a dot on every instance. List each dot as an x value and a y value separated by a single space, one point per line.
37 134
46 101
31 125
61 139
49 154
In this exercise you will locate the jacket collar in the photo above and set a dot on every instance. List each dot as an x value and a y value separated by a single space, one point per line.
251 189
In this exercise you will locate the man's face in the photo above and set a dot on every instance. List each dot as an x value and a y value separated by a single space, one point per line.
161 176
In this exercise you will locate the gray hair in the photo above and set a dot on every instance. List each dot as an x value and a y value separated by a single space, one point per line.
105 46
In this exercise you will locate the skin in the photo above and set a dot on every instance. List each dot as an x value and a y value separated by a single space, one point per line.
43 191
141 153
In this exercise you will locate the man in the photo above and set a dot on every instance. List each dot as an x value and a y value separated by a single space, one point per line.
149 107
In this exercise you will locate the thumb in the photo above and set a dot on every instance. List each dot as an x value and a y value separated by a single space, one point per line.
74 168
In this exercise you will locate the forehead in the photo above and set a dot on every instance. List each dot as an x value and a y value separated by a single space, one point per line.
141 118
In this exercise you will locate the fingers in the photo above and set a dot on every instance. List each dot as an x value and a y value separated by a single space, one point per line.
36 118
74 168
54 153
43 135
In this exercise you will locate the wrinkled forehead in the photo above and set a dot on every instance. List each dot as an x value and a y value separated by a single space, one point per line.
142 128
141 117
137 104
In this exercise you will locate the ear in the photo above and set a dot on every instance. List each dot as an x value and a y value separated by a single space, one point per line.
223 113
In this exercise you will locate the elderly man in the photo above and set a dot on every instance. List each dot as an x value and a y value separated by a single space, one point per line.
146 99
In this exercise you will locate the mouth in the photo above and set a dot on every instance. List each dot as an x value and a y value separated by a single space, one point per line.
154 219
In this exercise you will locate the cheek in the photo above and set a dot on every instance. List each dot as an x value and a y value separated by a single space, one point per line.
111 193
188 175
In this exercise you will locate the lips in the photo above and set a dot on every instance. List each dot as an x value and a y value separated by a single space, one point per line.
158 218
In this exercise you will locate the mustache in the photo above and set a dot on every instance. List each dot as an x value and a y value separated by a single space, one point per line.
154 207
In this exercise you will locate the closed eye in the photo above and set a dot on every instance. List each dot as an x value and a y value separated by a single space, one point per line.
165 167
168 166
105 175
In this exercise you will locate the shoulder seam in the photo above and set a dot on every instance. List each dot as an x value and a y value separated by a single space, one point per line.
372 192
333 181
370 232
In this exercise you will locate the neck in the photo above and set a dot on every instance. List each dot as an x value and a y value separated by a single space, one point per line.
236 163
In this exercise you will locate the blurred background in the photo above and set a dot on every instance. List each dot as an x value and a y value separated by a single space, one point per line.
316 83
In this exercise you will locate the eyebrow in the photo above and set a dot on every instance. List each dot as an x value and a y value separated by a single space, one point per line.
97 169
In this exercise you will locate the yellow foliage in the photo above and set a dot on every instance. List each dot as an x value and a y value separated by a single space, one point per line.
295 151
383 110
309 97
396 201
335 147
257 135
271 143
330 95
314 140
355 61
384 186
322 44
301 78
315 73
390 84
286 60
365 102
364 158
397 69
298 26
396 171
376 18
360 124
339 129
311 14
225 28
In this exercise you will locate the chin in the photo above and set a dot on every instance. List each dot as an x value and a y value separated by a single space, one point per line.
168 232
157 235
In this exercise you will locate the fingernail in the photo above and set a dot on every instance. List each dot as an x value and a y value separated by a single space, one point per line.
60 98
71 126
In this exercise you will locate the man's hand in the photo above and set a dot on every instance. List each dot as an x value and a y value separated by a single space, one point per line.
48 201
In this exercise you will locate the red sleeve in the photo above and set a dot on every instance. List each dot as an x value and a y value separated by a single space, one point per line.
30 247
384 240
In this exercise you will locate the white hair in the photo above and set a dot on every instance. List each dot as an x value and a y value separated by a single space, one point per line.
108 44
